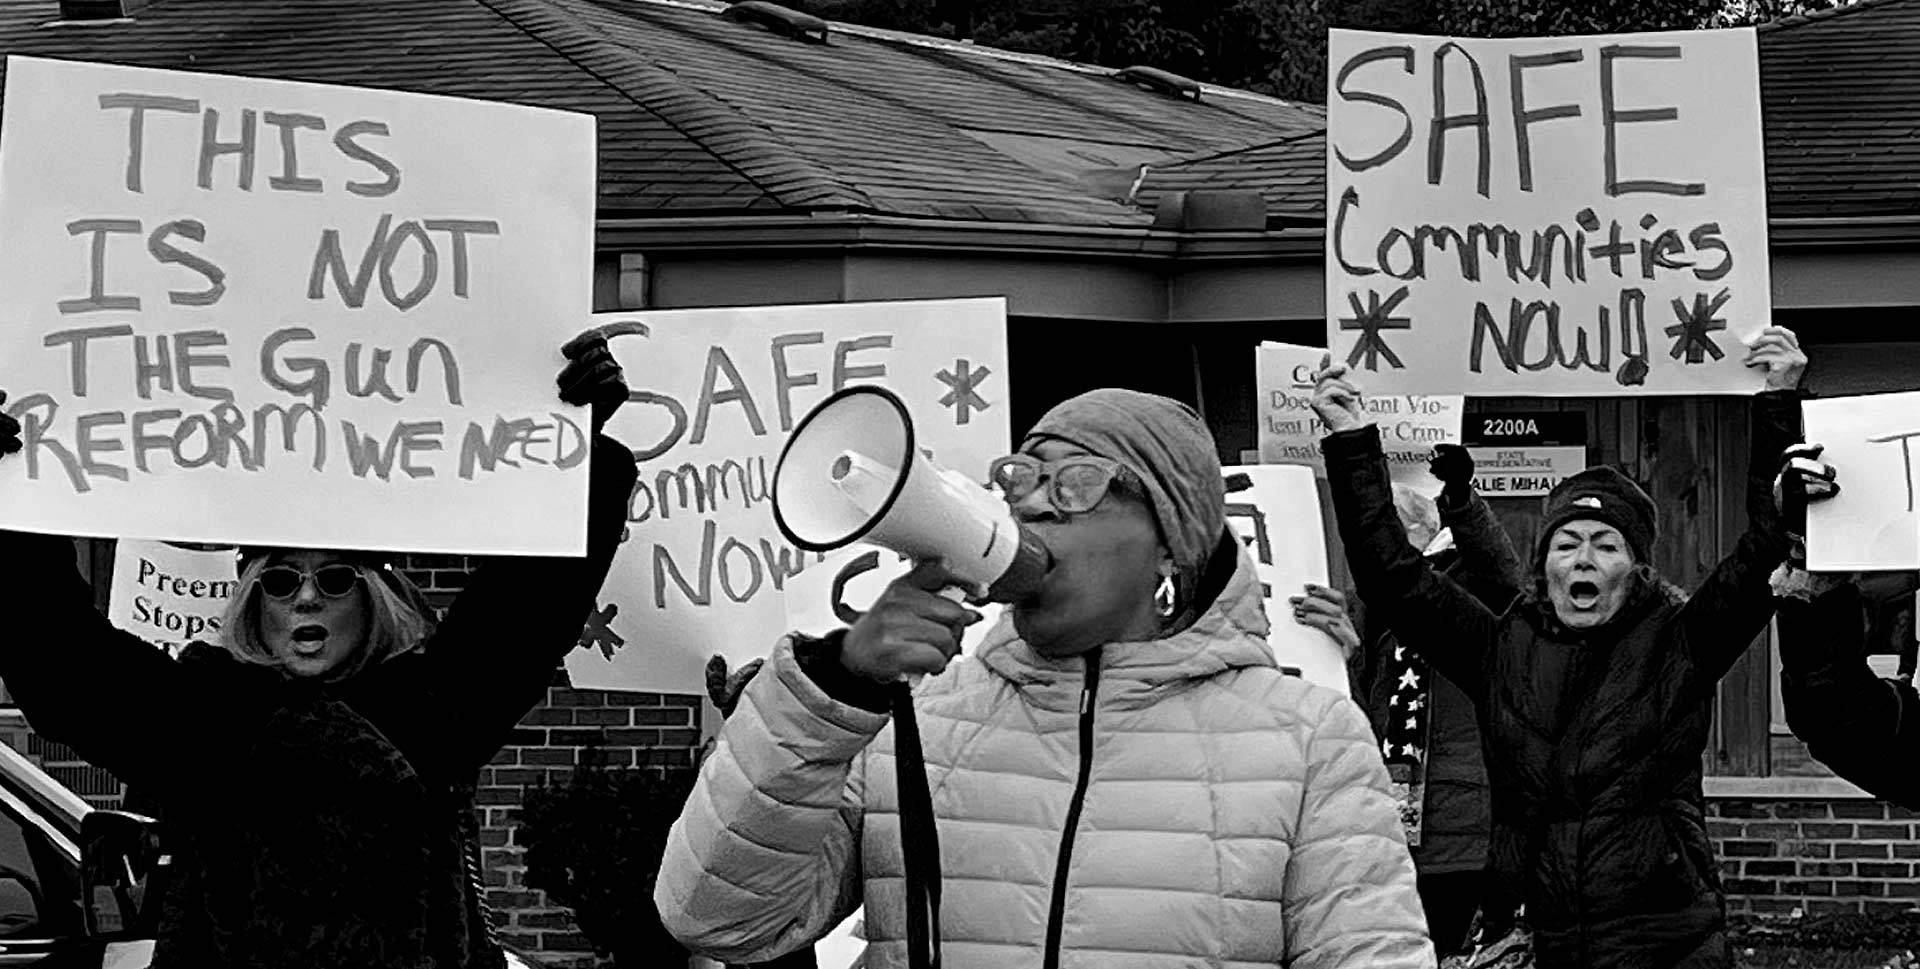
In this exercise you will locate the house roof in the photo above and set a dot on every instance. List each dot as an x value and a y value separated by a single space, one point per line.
702 114
1840 102
1840 94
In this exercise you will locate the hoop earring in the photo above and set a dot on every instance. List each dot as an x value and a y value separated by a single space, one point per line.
1164 600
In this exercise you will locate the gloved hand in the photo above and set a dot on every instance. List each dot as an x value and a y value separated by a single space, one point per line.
1453 465
592 376
1803 479
9 430
724 688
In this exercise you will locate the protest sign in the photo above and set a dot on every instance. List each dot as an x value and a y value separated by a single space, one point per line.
1276 511
237 309
704 569
169 595
1548 216
1870 525
1289 432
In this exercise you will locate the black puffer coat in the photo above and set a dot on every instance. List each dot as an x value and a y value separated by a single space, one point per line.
316 826
1867 729
1594 737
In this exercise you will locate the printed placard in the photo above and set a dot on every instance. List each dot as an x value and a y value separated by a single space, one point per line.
170 595
1546 216
1289 431
1277 513
244 310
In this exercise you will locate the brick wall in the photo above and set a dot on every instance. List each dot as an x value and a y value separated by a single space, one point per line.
630 730
1818 857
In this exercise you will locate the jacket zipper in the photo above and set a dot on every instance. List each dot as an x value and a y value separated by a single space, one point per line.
1089 694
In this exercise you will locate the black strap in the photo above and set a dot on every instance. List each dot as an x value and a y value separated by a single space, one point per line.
919 838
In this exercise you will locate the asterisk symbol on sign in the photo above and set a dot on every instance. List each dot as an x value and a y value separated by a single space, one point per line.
962 380
599 633
1692 335
1370 320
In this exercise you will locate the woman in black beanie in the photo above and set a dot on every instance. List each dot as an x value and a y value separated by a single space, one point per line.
1594 694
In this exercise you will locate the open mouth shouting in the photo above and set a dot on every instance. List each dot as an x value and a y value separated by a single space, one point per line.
1583 595
308 639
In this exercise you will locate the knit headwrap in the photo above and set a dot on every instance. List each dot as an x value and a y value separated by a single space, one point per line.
1166 445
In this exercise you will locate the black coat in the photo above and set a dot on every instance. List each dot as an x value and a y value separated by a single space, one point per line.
1593 738
1865 728
312 825
1456 816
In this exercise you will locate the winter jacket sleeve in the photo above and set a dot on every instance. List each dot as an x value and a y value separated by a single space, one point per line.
1489 567
1722 617
493 657
1427 611
119 702
765 857
1350 899
1865 728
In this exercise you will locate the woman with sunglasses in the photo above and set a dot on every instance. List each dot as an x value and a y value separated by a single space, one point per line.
1121 775
313 767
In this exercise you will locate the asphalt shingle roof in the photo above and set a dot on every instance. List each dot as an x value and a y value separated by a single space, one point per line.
701 113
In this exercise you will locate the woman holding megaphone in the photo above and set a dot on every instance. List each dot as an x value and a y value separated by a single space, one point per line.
313 765
1121 774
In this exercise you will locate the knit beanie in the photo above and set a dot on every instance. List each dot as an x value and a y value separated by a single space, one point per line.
1605 495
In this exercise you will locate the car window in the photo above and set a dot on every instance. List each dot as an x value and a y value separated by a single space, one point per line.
39 885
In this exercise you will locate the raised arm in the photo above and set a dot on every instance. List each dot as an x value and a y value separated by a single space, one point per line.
118 701
1426 610
765 855
1865 728
493 657
1490 569
1732 606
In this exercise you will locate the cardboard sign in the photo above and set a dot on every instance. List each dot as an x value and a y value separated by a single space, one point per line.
1870 525
169 595
241 310
704 569
1547 216
1279 518
1289 432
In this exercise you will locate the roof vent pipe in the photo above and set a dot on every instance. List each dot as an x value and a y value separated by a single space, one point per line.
82 11
1165 82
781 20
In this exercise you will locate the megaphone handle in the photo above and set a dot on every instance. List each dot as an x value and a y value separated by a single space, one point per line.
952 593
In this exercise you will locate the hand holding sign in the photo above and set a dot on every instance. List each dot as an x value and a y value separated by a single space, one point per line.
592 377
1777 350
1326 610
1337 399
9 430
1803 479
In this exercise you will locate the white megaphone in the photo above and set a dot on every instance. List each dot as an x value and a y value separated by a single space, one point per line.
851 472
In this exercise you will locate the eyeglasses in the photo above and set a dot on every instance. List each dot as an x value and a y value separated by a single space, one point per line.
333 581
1075 485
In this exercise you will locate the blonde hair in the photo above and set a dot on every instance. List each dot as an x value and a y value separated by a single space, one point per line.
395 624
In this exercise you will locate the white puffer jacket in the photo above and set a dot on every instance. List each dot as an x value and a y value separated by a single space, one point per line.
1233 816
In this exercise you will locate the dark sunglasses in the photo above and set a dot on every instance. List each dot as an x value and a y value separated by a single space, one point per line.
284 581
1075 485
